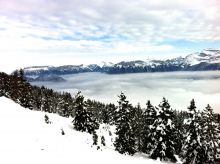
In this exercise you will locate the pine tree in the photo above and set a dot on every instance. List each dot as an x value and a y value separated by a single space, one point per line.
21 73
108 114
137 125
25 97
209 134
179 133
193 150
84 121
149 116
164 129
125 140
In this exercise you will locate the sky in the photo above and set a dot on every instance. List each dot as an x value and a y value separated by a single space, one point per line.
59 32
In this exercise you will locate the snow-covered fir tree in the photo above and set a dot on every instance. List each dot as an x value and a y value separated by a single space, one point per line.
137 125
108 114
209 134
83 121
162 134
180 130
125 140
193 149
25 92
149 116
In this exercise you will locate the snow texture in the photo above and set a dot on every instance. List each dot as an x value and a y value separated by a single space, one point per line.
26 138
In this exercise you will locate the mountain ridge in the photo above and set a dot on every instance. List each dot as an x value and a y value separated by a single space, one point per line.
208 59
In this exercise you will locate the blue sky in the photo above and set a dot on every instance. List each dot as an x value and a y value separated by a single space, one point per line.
58 32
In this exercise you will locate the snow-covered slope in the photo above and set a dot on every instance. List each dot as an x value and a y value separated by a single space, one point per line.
208 56
105 64
25 138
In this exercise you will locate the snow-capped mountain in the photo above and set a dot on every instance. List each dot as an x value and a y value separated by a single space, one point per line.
105 64
207 56
208 59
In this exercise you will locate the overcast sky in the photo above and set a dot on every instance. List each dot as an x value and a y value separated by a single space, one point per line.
57 32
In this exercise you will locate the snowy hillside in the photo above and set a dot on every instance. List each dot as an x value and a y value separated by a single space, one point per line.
26 138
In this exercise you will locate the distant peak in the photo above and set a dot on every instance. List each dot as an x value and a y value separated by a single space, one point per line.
212 49
105 64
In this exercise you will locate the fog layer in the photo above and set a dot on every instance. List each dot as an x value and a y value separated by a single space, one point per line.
178 87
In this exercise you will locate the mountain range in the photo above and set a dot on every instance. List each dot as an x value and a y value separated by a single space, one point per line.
208 59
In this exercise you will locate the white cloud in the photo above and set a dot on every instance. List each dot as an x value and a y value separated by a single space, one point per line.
100 27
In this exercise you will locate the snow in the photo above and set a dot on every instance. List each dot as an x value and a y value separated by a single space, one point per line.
169 122
108 132
36 68
193 59
138 64
105 64
26 138
211 51
210 56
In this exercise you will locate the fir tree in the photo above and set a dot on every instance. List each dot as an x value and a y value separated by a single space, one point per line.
108 114
83 121
193 150
137 125
209 134
163 130
149 116
180 130
125 140
21 73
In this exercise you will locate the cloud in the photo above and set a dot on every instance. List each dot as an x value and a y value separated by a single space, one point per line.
203 86
106 27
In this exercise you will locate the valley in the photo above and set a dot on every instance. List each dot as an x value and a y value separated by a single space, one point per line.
178 87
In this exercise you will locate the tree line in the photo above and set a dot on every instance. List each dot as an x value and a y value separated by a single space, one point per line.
159 131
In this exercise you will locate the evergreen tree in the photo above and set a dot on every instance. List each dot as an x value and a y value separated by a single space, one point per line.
83 120
21 73
125 140
180 130
108 114
163 130
137 125
149 116
193 150
209 134
26 97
